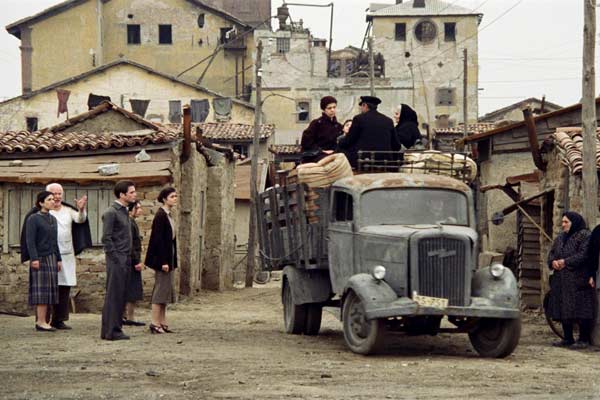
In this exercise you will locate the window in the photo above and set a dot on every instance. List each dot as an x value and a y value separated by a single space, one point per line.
303 111
445 96
165 35
283 45
20 200
425 31
32 124
450 31
223 38
343 207
242 150
133 34
175 111
400 34
201 20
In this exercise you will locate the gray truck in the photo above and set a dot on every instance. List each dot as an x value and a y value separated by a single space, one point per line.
386 252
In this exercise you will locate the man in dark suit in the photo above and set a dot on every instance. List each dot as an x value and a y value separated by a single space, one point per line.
370 131
116 238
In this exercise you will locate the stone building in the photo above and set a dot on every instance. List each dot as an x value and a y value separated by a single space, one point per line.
170 36
160 97
418 48
514 112
70 153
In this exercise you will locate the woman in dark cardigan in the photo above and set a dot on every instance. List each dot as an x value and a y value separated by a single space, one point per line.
571 296
162 257
45 261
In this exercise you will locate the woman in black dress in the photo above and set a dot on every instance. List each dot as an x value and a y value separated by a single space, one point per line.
571 296
162 257
45 261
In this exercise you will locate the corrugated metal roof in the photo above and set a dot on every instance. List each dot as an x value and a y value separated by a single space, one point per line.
432 7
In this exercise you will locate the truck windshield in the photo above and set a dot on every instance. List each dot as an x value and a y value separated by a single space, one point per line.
414 207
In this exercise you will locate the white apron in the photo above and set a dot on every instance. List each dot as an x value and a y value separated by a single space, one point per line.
65 218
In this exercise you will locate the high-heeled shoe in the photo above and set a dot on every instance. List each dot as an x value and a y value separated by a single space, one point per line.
42 329
156 329
166 329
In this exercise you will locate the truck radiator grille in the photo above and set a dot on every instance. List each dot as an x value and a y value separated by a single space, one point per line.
442 266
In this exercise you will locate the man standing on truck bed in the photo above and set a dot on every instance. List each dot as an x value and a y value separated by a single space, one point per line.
370 131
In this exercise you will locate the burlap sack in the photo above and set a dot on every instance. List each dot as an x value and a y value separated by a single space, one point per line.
324 172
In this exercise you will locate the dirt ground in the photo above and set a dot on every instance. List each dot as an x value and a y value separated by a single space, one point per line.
231 346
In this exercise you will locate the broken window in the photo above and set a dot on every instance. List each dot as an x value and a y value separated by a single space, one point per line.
224 39
133 34
165 34
450 31
425 31
400 34
175 111
32 124
343 207
283 45
445 96
303 111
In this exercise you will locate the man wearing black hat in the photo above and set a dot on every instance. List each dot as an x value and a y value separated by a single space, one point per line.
320 138
370 131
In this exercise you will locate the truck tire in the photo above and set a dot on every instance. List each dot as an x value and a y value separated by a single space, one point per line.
294 316
314 313
362 336
495 337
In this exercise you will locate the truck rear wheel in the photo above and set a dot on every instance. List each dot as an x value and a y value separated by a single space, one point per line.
294 316
314 313
495 337
362 336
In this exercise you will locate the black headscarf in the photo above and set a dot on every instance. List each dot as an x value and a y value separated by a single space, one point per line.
577 222
407 114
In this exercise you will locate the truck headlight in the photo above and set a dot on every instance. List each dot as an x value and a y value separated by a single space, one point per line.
379 272
497 270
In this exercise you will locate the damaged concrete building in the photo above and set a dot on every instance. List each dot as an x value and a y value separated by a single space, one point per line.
418 53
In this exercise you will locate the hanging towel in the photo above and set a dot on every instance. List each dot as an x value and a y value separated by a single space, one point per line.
200 109
222 106
139 106
63 97
175 111
95 100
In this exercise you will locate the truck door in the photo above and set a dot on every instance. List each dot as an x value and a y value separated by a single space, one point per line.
341 237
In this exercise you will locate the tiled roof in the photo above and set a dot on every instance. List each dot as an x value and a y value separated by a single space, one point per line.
284 149
432 7
472 129
48 141
229 132
569 142
548 107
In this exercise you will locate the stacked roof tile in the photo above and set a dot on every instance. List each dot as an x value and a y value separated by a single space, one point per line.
569 142
472 129
285 149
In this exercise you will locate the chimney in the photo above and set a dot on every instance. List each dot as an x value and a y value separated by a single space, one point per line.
419 4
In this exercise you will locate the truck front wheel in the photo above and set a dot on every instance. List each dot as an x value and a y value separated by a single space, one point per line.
362 336
294 316
496 338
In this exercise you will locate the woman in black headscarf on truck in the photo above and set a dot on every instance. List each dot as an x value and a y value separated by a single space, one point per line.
571 296
407 126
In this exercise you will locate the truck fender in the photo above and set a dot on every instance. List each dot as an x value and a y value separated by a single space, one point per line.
502 292
311 286
372 293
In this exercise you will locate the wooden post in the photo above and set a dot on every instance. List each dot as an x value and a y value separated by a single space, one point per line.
251 264
371 66
465 93
588 118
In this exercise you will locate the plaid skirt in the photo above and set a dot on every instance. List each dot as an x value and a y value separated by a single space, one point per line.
43 282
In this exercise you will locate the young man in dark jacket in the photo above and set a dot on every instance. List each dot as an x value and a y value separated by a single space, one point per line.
320 138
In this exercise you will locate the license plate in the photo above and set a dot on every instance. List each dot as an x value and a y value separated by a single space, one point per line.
428 301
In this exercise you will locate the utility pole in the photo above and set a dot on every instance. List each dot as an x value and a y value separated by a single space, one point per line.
251 262
371 66
465 93
588 118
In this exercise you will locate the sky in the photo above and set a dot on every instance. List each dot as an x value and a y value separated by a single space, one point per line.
527 48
